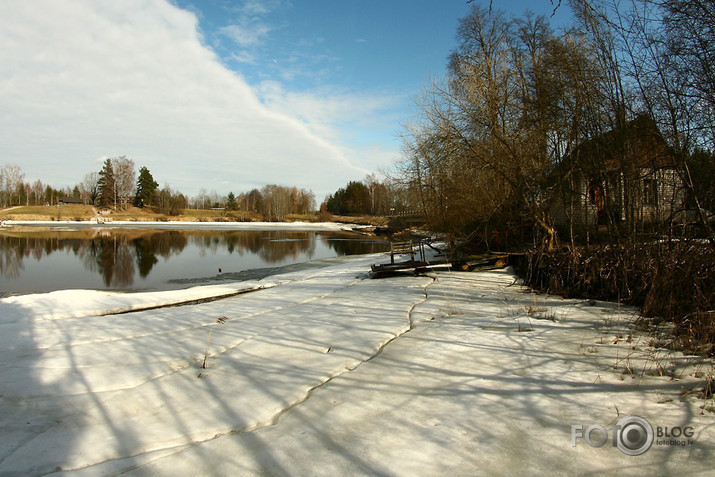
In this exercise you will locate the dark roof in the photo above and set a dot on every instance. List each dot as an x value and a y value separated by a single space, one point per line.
637 144
71 200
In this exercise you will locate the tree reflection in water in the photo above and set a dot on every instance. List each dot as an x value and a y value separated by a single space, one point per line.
118 254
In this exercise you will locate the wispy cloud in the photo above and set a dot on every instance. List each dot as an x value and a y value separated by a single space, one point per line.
249 21
343 117
262 7
246 34
243 57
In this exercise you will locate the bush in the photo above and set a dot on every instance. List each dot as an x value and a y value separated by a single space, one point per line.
671 281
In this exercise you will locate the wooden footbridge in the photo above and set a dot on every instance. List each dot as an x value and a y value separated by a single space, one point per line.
409 255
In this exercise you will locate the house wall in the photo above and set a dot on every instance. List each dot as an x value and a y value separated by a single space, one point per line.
575 213
651 197
659 193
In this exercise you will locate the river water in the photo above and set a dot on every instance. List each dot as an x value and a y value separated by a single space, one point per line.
130 259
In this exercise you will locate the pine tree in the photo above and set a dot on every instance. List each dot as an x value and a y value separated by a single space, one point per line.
107 186
146 188
231 201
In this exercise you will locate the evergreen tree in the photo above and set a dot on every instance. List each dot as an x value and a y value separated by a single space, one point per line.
353 199
107 185
231 201
49 196
146 188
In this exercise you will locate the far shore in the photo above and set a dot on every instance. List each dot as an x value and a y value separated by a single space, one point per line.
43 225
87 214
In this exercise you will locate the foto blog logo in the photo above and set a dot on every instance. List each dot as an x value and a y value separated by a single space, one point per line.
632 435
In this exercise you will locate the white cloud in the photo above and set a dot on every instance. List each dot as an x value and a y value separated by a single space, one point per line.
84 79
325 108
243 57
342 116
247 33
262 7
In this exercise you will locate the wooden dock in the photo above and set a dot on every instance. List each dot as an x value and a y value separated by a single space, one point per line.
420 264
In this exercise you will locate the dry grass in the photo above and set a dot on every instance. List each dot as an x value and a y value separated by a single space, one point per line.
672 283
221 320
362 220
49 212
131 214
135 214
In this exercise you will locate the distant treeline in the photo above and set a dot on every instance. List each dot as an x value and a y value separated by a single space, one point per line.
367 197
117 186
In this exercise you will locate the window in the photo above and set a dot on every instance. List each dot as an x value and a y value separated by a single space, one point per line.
650 192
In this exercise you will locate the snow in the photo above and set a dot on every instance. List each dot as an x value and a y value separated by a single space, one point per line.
327 372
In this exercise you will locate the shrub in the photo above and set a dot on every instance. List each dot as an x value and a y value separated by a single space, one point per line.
670 281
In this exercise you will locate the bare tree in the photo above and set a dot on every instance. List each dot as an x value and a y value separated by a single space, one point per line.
12 177
276 203
38 190
201 200
3 194
306 203
90 187
214 199
124 180
302 201
490 144
482 149
170 202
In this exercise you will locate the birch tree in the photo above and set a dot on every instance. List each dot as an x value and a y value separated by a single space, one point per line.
11 176
124 180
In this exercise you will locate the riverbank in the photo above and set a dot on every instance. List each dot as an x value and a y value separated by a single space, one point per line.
324 371
43 226
87 213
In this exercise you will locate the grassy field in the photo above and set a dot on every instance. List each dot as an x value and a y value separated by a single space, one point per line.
41 212
87 212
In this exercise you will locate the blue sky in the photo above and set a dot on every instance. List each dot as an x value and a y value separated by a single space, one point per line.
222 95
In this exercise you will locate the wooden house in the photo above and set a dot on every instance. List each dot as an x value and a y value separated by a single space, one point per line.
627 177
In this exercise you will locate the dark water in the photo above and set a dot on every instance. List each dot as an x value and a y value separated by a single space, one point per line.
144 259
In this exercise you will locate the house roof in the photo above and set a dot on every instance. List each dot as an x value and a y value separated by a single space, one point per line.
637 144
71 200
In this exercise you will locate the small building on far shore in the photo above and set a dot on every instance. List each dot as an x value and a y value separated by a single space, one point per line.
70 201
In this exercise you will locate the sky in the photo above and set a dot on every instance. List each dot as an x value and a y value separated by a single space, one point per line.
221 95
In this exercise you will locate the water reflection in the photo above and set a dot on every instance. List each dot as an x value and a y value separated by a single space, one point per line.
119 255
116 256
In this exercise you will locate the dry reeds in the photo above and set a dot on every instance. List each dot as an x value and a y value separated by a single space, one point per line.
670 281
